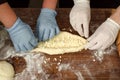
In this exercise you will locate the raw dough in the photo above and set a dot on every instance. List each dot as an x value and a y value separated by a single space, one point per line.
64 42
6 71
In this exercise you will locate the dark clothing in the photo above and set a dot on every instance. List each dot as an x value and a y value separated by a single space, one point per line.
3 1
93 3
16 3
104 3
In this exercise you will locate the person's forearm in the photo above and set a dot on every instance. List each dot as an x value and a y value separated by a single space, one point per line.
7 15
116 15
51 4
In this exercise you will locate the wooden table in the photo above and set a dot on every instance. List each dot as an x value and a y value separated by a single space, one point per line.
82 65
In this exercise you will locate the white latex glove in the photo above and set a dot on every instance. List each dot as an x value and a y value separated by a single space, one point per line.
80 17
104 36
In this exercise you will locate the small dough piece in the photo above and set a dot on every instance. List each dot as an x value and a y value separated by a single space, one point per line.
6 78
6 71
64 42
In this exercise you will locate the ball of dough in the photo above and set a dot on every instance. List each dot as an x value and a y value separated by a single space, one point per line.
6 78
6 71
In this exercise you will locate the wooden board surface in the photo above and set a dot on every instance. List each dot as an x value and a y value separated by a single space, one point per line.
83 62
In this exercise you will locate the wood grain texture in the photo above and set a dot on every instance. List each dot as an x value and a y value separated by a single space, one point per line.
83 61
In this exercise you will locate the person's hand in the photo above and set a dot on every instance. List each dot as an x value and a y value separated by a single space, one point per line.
22 36
80 17
104 36
118 43
46 25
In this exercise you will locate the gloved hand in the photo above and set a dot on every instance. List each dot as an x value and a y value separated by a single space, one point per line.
104 36
80 17
46 25
22 36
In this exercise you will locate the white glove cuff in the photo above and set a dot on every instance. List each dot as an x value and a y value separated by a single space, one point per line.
117 25
79 1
